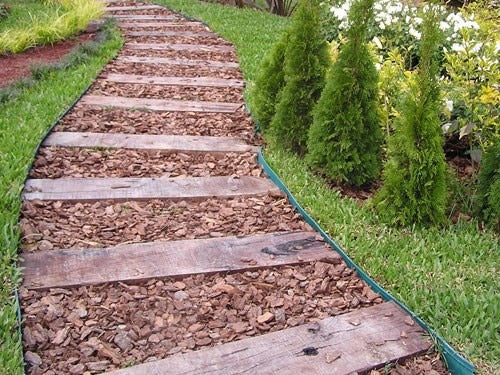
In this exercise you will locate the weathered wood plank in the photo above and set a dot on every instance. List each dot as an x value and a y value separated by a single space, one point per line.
147 17
171 143
142 261
173 33
94 189
137 25
174 81
159 104
168 61
179 47
376 340
132 7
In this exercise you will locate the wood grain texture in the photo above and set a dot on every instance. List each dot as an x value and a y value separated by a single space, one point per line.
146 17
173 33
173 81
179 47
167 61
136 25
132 7
172 143
94 189
142 261
376 340
159 104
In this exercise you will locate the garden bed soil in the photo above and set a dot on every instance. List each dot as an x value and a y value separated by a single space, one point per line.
189 55
171 70
13 67
60 162
48 225
84 118
104 327
195 93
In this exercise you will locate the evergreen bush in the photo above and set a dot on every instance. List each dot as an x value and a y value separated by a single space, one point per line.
489 186
306 61
345 138
414 180
269 83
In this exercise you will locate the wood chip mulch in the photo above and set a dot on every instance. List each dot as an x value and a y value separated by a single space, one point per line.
108 326
48 225
190 55
59 162
84 118
195 93
170 70
181 26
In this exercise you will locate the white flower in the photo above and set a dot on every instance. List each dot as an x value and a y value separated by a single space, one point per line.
378 66
415 33
456 47
339 13
444 25
377 42
476 48
381 25
418 20
449 105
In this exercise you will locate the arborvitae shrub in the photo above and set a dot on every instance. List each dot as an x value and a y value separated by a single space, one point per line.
345 138
414 180
306 61
269 83
489 186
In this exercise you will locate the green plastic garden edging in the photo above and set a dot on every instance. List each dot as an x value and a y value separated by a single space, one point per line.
457 364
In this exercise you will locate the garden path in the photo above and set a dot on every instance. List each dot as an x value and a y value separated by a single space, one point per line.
154 243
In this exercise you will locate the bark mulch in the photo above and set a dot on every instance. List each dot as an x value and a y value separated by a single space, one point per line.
50 225
190 55
109 326
141 12
204 40
170 70
196 93
105 120
426 364
182 26
59 162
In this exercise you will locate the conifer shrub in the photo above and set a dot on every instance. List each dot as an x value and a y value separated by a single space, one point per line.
345 139
414 179
489 186
269 83
306 61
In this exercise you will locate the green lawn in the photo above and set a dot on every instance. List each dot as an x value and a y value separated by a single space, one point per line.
25 117
447 276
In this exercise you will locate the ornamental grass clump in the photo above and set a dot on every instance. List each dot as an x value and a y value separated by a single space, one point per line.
414 187
345 138
489 186
306 60
269 83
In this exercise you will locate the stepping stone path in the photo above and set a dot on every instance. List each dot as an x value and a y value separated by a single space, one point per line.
153 243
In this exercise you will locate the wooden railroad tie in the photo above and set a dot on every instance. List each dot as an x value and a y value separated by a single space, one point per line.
146 17
170 143
173 33
133 25
123 189
179 47
132 7
355 342
159 104
168 61
174 81
143 261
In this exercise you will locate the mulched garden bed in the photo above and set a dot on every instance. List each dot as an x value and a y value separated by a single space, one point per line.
171 70
49 225
58 162
110 326
104 120
426 364
204 40
196 93
190 55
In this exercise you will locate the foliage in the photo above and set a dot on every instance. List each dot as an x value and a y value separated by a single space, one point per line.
306 61
4 11
60 20
24 120
344 140
414 181
282 7
489 186
269 83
